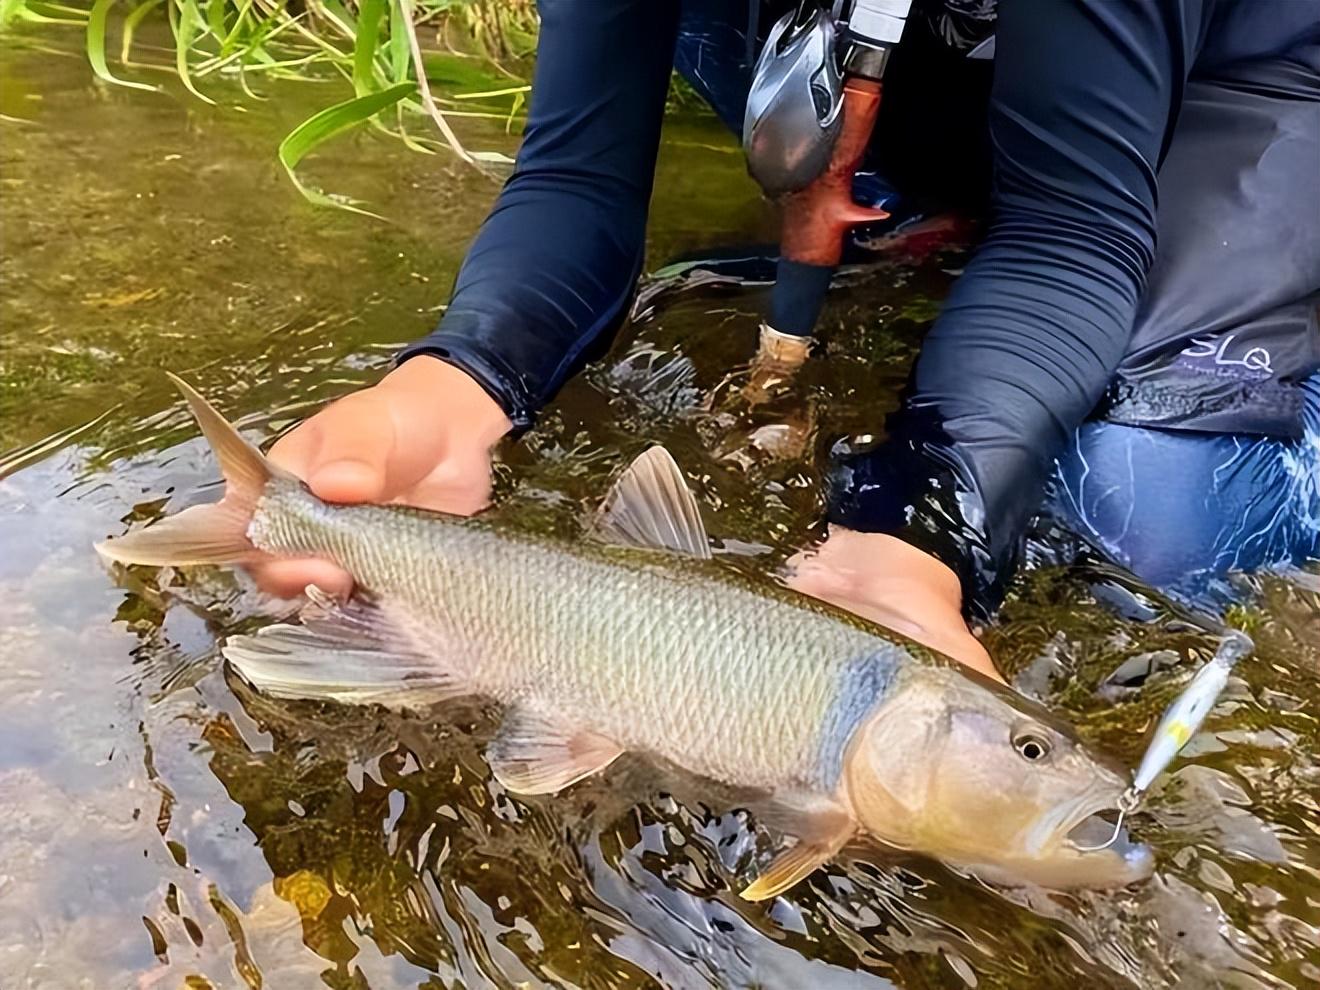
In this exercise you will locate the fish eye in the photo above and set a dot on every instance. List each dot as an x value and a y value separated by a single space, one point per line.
1031 745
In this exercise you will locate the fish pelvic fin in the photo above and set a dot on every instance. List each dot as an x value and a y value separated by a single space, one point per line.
350 652
204 534
535 753
651 507
822 826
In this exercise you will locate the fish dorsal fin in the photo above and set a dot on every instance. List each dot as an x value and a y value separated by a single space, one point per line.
350 652
651 507
536 753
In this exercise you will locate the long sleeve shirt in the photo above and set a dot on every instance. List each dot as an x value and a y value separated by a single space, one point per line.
1085 97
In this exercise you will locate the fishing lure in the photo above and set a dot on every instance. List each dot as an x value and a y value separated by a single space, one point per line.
1180 722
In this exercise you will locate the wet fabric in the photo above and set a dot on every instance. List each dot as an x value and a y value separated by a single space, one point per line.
1183 511
1080 115
1237 272
1036 328
550 275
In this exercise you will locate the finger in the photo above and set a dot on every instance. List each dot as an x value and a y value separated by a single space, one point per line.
293 451
351 445
465 500
288 577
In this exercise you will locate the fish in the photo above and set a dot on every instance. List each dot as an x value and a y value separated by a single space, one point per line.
635 639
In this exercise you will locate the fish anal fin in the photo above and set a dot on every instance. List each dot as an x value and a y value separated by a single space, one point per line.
535 753
822 827
651 507
352 652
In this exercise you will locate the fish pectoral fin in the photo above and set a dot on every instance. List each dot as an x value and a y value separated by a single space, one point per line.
651 507
793 864
349 652
535 753
822 828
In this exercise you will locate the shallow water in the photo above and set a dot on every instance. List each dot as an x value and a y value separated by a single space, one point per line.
162 826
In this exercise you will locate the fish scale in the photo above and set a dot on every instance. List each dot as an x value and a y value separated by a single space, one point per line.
587 631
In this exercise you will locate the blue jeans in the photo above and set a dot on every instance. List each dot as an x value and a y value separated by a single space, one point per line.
1182 510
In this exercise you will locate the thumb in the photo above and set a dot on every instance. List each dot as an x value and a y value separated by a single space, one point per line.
353 442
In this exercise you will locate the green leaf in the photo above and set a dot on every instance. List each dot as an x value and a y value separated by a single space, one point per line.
37 12
364 45
131 22
337 14
230 41
215 18
400 56
96 20
493 158
185 30
462 74
57 13
322 126
10 10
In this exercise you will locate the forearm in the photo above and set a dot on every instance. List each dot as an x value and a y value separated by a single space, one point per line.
1028 340
1023 350
550 274
530 304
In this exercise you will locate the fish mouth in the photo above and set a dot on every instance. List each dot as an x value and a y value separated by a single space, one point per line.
1099 830
1089 826
1096 832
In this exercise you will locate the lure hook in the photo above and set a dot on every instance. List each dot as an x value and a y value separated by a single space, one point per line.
1127 803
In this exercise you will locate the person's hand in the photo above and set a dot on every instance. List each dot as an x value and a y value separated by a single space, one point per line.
420 437
883 579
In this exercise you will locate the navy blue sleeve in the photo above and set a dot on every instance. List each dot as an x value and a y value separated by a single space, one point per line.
1084 100
550 273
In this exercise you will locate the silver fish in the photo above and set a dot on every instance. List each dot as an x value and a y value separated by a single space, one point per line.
610 645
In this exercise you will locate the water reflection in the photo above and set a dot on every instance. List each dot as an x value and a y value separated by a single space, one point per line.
162 826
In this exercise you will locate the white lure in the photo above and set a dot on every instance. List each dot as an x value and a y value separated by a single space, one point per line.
1189 709
1181 720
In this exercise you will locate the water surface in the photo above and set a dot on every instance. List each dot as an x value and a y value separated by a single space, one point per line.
162 826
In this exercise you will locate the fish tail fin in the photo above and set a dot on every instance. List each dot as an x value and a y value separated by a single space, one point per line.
204 534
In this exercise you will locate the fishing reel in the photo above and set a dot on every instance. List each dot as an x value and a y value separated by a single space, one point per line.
795 105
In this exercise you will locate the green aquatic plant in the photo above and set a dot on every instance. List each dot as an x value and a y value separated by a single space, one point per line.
475 63
476 59
39 12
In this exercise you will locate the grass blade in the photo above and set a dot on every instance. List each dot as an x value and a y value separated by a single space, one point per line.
364 45
35 12
10 10
424 88
230 40
131 22
185 28
71 15
335 13
215 18
322 126
96 20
